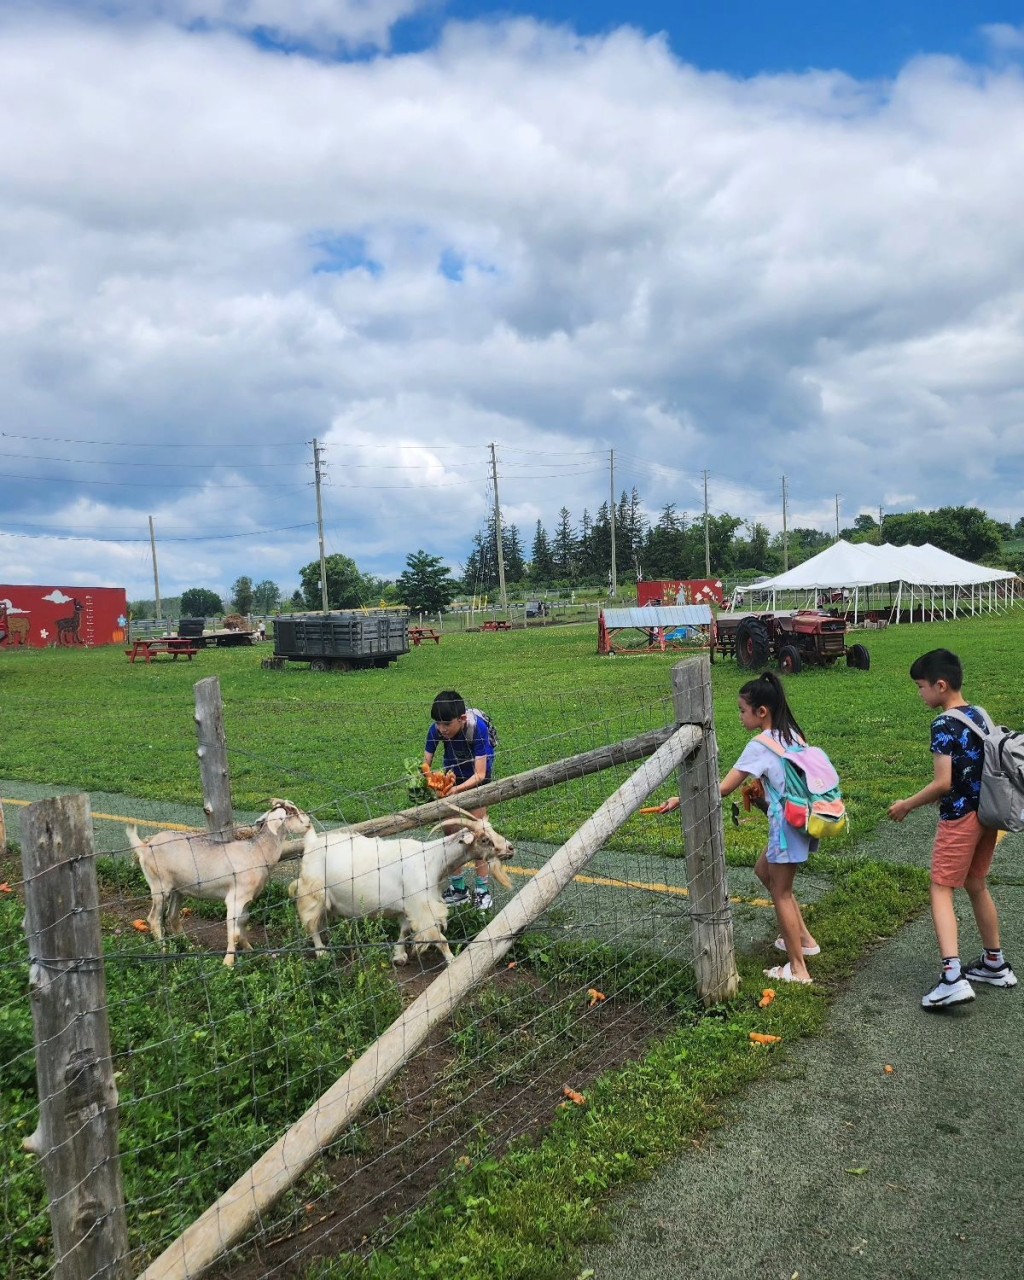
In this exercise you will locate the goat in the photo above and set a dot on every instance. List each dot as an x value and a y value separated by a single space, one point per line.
236 871
346 874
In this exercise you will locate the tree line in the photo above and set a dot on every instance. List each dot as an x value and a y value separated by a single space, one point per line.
577 554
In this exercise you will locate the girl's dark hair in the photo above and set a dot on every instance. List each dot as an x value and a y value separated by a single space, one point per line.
767 691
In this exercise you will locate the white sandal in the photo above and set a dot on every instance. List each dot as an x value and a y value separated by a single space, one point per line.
783 973
780 945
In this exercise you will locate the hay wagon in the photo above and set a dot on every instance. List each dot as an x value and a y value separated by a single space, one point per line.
340 641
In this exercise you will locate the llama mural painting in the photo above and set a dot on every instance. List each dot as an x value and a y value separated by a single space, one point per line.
42 617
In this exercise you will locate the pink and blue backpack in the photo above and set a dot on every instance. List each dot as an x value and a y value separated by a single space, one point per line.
811 800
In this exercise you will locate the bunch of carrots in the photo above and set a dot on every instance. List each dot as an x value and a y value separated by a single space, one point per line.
439 781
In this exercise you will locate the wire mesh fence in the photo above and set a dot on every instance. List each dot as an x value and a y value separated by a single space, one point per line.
213 1064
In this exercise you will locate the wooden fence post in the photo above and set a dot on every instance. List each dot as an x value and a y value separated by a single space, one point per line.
213 758
700 809
76 1140
3 831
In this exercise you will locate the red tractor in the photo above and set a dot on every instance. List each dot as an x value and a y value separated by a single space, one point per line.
794 638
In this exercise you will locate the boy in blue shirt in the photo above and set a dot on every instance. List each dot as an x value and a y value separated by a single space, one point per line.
469 744
963 849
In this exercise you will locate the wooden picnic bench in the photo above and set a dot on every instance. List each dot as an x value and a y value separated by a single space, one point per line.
497 624
166 646
418 634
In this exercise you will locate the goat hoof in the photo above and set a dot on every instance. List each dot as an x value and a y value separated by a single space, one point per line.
399 958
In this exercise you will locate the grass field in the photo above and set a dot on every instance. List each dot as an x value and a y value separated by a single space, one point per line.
336 744
89 720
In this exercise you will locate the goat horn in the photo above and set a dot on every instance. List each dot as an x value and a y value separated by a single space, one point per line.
456 809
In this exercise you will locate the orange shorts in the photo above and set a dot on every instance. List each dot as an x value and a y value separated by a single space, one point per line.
962 848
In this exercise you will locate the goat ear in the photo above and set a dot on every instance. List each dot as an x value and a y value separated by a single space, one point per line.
467 837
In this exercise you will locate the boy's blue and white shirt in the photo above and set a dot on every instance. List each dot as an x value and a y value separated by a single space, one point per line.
460 755
951 738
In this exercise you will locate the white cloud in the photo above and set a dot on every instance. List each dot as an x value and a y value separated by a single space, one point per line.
212 252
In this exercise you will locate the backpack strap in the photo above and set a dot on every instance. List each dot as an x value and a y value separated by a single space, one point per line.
956 714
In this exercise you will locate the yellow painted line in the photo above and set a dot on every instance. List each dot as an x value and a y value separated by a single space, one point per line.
671 889
117 817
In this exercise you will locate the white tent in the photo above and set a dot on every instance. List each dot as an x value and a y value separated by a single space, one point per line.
909 578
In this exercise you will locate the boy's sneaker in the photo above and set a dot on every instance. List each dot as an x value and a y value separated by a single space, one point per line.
979 971
944 994
453 897
482 900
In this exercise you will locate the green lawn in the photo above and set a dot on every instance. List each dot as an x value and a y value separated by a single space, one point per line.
249 1051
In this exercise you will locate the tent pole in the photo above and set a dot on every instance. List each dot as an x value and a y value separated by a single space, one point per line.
899 592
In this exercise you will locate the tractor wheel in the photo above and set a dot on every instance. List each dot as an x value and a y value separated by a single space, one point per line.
858 657
752 647
790 660
319 664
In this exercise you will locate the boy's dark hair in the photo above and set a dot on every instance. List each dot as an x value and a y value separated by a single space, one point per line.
448 705
936 665
767 691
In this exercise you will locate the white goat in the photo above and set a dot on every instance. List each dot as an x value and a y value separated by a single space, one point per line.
346 874
235 871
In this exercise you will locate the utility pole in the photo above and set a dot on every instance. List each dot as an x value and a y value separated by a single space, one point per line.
879 521
497 531
611 515
156 576
707 534
837 516
785 531
320 523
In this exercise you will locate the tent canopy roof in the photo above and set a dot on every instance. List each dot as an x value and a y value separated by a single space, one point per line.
861 564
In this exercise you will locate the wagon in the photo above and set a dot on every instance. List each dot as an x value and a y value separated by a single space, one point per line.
795 638
340 641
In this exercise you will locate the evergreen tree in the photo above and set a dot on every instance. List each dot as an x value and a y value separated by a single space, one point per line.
512 549
664 551
542 565
563 550
426 585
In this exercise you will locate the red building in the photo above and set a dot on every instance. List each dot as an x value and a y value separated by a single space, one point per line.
681 591
70 617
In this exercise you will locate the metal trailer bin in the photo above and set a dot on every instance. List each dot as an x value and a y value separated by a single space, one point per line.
340 641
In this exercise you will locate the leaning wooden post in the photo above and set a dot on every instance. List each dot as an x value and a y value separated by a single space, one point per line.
213 757
76 1140
700 808
3 831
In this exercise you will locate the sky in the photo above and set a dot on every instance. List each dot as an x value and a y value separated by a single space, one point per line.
743 239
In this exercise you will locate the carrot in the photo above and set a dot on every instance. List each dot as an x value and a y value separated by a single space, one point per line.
759 1037
767 996
579 1098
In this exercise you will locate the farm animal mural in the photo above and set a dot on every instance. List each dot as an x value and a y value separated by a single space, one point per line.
42 617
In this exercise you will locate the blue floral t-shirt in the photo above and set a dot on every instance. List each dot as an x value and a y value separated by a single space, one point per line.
951 738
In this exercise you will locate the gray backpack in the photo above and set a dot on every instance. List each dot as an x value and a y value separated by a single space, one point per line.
1001 804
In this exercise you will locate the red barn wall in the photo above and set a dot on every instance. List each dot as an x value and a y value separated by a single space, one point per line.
45 617
681 591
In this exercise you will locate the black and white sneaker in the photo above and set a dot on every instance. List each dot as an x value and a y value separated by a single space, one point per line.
453 897
996 976
482 900
945 993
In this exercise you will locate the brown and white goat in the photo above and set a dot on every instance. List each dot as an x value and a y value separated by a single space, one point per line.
201 866
347 874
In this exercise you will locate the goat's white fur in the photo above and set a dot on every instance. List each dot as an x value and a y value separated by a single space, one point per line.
346 874
201 866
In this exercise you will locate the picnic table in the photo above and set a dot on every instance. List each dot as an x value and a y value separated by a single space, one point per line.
418 634
497 624
157 646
